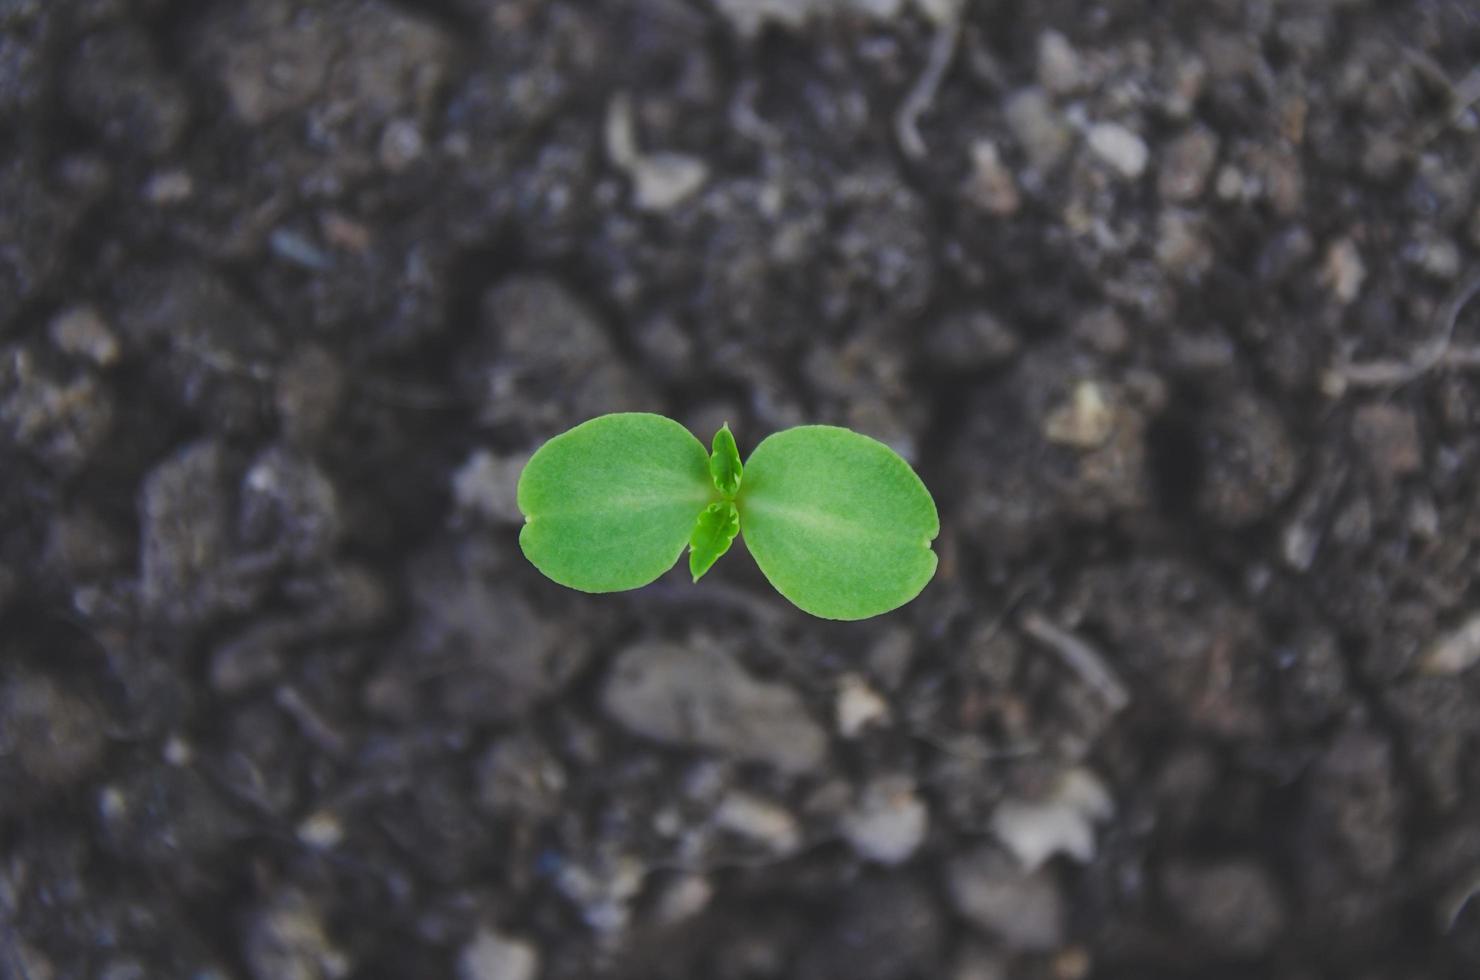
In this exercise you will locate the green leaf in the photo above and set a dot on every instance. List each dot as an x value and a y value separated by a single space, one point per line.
714 532
724 462
610 504
837 522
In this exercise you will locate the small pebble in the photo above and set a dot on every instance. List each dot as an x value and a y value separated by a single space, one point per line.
1024 910
682 899
288 938
1085 421
889 821
1059 68
662 181
1423 518
991 185
321 831
345 233
1061 823
1343 271
1188 75
604 894
169 187
497 956
696 695
297 249
1119 147
1039 127
487 486
859 707
1073 963
177 751
1257 464
401 145
759 820
53 736
1181 247
1440 259
522 778
62 418
1231 184
1456 651
81 332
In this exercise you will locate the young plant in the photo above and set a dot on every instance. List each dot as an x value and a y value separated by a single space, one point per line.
837 522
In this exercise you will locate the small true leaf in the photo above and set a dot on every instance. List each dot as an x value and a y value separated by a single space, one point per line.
610 504
724 462
713 534
837 522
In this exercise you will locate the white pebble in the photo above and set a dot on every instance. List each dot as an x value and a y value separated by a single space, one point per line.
683 899
487 485
889 822
494 956
81 332
662 180
1086 421
321 831
1343 271
859 706
1456 651
759 820
1059 69
1120 147
1062 823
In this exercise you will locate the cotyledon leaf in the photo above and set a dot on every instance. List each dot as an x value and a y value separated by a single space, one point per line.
610 504
838 522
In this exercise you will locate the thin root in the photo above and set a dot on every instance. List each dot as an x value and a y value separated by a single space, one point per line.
1437 352
907 121
961 746
1081 657
1456 899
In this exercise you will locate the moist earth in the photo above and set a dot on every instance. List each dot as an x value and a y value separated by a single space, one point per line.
1169 304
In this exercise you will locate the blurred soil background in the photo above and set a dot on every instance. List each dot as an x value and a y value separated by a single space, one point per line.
1169 303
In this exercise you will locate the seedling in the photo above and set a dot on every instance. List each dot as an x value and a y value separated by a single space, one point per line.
837 522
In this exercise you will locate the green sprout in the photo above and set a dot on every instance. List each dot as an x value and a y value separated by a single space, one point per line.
836 521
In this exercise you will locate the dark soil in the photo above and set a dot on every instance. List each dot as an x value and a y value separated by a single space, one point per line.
1168 304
